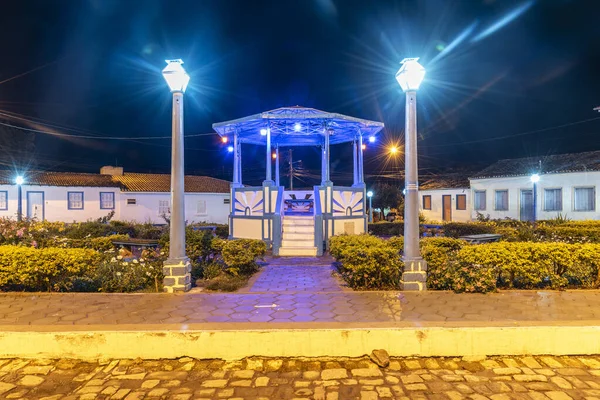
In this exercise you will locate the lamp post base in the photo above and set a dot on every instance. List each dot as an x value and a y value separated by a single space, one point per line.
178 275
414 277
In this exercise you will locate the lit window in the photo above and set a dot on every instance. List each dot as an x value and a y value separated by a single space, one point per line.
501 200
75 200
585 199
164 207
427 202
4 200
107 200
480 200
552 199
201 207
461 201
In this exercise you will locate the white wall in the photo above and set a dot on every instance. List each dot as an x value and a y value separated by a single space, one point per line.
567 181
435 214
56 204
146 207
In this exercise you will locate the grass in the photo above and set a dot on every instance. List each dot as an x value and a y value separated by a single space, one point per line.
224 282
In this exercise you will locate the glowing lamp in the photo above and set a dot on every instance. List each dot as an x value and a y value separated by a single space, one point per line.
364 146
263 132
410 75
175 75
535 178
369 194
19 180
274 155
230 149
371 139
393 150
297 127
224 139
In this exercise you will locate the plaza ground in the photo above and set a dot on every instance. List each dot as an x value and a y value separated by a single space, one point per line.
501 378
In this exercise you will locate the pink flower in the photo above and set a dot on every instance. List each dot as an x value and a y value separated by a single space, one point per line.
34 244
20 232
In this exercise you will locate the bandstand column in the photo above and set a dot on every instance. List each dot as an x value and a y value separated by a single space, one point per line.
325 160
276 165
236 155
355 163
239 166
268 176
361 176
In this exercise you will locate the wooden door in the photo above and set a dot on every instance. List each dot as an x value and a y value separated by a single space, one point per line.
447 208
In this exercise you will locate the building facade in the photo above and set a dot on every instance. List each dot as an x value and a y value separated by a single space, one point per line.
78 197
566 185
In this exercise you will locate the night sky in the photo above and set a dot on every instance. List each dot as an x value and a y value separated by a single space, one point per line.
504 79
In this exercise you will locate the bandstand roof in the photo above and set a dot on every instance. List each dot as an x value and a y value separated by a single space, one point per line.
297 126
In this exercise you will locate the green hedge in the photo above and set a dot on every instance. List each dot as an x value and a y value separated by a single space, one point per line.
368 262
49 269
387 228
457 229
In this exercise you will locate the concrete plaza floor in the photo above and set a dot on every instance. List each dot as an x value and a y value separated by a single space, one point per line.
305 307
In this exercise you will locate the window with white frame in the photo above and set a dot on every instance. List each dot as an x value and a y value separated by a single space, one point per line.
552 199
75 200
107 200
501 200
164 207
585 199
480 200
201 207
4 200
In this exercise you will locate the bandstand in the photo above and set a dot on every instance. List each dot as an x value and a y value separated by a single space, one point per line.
297 222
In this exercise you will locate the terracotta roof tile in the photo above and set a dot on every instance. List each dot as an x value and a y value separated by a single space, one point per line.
133 182
558 163
129 182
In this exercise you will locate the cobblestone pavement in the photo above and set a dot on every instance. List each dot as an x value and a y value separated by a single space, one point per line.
533 378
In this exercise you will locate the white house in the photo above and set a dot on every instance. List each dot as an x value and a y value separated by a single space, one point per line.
567 185
76 197
445 200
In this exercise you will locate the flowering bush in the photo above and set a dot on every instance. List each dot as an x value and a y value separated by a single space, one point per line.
120 274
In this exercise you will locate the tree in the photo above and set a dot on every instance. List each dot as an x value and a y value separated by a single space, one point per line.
387 196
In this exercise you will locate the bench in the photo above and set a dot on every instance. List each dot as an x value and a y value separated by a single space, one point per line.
483 238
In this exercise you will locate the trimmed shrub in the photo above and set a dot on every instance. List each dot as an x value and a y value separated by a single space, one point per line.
457 229
240 255
101 244
121 275
368 262
49 269
387 228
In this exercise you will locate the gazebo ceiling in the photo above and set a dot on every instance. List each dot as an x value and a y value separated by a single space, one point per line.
297 126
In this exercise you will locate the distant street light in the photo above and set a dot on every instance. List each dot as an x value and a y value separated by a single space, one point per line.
370 196
393 150
19 180
535 178
410 76
177 278
371 139
230 149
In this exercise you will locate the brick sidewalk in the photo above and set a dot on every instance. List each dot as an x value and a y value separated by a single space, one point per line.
303 293
505 378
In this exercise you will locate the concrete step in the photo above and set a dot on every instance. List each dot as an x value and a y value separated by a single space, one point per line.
298 243
298 251
297 221
299 229
298 235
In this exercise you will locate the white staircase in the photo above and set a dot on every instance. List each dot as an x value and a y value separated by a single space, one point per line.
298 237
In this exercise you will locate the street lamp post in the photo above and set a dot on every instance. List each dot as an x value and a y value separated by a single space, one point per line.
370 196
177 268
19 180
414 277
535 178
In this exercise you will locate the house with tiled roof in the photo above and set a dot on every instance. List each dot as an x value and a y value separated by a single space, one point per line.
539 187
445 197
75 197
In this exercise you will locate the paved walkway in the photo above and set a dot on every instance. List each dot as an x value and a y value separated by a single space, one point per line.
305 295
530 378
